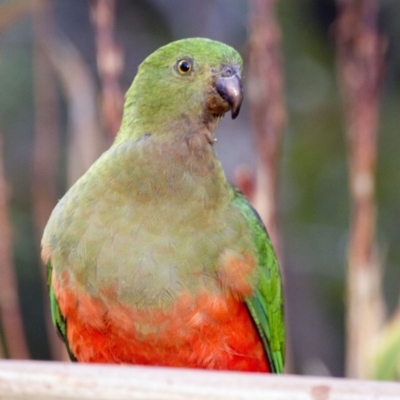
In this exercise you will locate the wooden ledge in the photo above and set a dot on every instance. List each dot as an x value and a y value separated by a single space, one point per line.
35 380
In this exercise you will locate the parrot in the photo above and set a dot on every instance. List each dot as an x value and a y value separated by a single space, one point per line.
153 257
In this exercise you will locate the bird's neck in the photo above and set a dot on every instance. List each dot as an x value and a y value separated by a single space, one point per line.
177 166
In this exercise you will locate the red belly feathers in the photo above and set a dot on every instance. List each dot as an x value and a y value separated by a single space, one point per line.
209 331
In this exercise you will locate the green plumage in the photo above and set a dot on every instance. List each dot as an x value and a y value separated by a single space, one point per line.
56 315
266 306
155 216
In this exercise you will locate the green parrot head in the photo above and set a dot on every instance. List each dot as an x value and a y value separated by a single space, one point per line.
194 80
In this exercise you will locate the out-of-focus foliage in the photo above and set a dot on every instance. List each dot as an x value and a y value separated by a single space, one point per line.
314 207
385 362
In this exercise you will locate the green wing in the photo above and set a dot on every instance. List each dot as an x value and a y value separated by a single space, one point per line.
266 305
58 319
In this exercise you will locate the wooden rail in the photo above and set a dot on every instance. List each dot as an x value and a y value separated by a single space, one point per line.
54 380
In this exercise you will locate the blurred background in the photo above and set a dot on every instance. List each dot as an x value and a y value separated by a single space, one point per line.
60 98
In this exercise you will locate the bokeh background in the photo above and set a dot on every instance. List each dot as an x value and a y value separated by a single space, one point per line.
313 206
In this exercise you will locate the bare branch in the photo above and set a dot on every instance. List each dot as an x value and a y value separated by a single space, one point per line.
266 96
85 139
110 62
11 11
360 62
10 312
45 147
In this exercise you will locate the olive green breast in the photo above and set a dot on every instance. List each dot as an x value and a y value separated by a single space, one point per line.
150 219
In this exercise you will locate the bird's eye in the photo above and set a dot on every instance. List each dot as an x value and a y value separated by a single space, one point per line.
184 66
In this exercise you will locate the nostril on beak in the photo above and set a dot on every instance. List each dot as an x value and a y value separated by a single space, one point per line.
228 71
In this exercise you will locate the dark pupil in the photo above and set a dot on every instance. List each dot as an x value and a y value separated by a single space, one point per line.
184 66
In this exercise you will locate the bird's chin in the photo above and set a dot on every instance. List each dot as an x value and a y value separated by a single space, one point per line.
217 107
211 123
